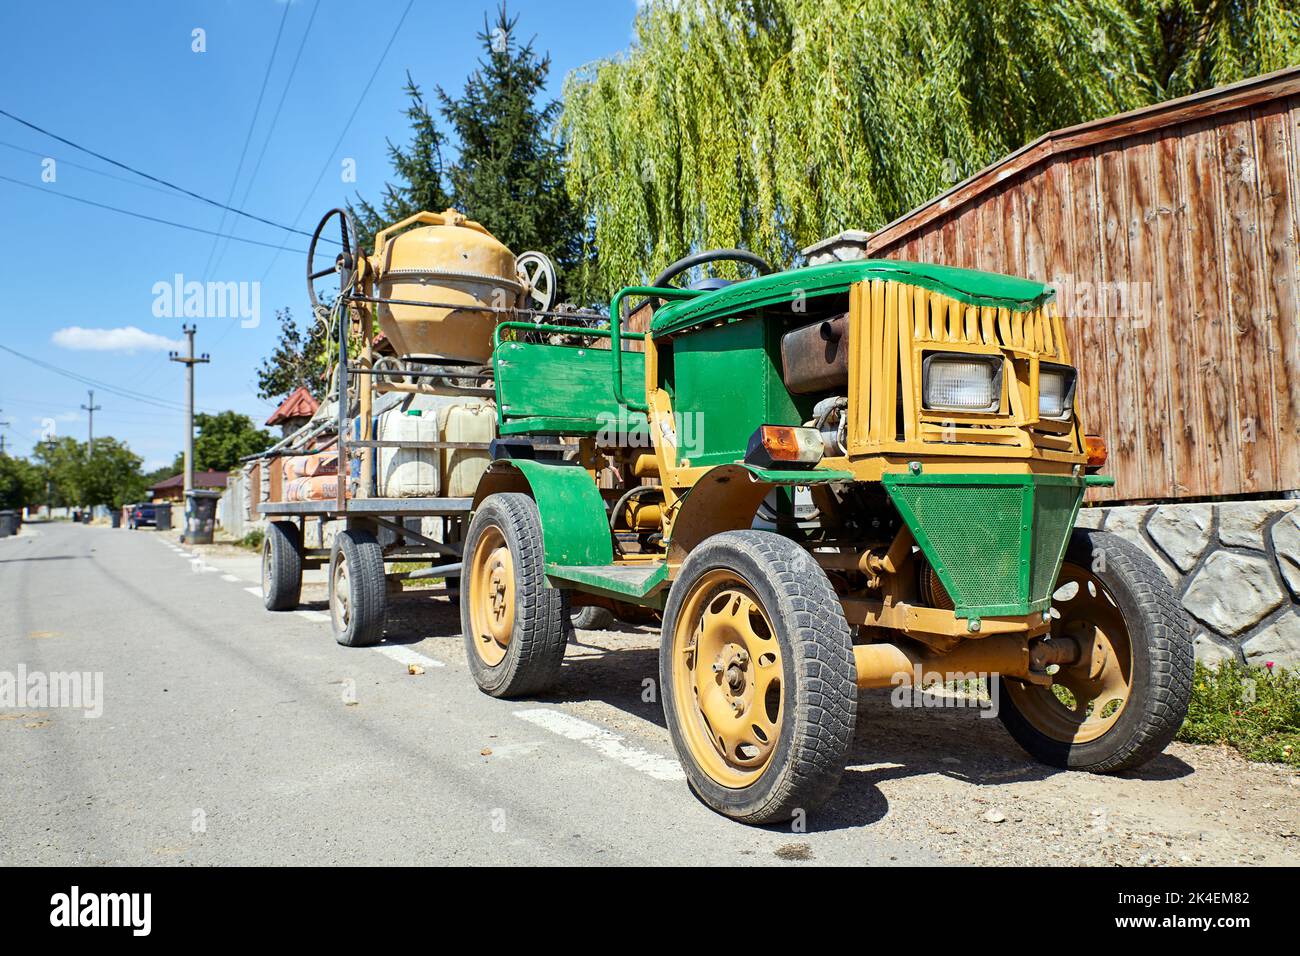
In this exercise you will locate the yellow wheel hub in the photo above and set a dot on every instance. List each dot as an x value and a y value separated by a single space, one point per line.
727 681
1090 694
492 596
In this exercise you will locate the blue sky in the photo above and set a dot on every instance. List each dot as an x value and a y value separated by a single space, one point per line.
123 79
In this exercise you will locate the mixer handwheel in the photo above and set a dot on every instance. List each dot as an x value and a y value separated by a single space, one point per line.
344 261
537 273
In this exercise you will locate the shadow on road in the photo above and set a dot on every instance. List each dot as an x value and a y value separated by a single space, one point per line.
46 557
621 669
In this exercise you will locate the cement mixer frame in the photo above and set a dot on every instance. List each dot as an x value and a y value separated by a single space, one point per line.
373 530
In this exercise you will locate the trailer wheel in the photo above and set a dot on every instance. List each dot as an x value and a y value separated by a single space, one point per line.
592 618
1126 696
281 566
358 589
759 684
515 627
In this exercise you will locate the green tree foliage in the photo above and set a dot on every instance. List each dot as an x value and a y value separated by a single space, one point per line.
298 359
225 438
22 483
419 172
61 462
509 173
110 477
770 124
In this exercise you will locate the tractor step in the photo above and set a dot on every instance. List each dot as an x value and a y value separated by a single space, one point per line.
631 582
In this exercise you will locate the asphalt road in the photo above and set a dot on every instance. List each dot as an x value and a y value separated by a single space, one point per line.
230 735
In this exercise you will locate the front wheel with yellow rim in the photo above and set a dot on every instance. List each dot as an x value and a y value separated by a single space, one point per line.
759 686
515 627
1123 692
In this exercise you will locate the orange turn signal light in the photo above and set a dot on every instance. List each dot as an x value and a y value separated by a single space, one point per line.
1094 447
788 444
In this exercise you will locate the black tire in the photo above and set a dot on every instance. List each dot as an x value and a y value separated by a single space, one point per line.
819 679
281 566
357 614
539 626
1160 638
589 617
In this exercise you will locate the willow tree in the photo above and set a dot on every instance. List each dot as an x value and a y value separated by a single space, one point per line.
770 124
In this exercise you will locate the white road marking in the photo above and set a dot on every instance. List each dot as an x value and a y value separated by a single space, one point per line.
233 580
604 742
319 616
256 592
404 655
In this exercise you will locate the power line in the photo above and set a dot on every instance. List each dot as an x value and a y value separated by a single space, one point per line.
149 176
140 215
86 380
275 118
92 170
346 126
248 137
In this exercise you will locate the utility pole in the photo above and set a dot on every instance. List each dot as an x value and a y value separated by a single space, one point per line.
189 361
90 435
3 424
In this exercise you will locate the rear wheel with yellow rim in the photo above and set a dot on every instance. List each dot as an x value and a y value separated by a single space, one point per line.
515 627
1124 695
759 686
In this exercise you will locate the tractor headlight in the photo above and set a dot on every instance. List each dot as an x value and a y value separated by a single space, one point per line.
961 382
1056 391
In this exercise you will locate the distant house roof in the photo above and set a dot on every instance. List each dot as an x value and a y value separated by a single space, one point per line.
202 479
299 404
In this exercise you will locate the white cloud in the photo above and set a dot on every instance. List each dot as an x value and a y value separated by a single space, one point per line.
127 339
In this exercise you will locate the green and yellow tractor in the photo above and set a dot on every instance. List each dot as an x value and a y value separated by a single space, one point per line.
857 475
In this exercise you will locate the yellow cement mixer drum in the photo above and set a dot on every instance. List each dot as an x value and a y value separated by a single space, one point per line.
454 262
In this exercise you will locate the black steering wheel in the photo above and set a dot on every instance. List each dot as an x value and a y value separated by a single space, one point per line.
711 255
344 262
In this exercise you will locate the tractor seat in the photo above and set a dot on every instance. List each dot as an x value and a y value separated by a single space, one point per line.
547 389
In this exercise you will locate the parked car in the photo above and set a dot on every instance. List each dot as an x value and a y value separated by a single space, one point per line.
142 515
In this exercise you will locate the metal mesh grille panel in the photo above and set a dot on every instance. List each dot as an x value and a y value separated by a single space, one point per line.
979 535
1053 518
975 531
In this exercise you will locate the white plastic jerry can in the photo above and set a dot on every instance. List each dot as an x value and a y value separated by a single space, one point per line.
470 421
408 472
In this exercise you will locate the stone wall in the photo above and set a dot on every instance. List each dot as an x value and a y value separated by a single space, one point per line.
1235 566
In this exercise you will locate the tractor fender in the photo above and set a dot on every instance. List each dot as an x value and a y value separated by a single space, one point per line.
727 497
575 525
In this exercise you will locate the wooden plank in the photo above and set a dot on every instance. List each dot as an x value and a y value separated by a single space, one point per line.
1053 219
1247 329
1173 301
1014 210
990 231
1276 132
1203 186
948 244
1032 259
1089 347
1148 322
1127 451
